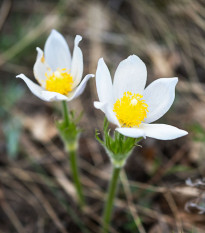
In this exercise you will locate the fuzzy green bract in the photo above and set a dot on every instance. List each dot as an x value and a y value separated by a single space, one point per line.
118 146
69 131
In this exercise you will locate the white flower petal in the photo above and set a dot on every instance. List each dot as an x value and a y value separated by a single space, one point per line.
159 96
131 132
34 88
111 115
162 131
57 53
79 89
106 108
104 83
50 96
40 92
40 68
99 105
131 75
77 62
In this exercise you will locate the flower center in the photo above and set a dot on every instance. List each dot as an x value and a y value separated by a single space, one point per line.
59 81
130 110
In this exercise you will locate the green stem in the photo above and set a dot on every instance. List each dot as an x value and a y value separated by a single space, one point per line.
110 198
75 174
71 148
65 112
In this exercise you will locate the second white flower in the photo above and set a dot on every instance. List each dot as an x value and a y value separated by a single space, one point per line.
59 76
132 107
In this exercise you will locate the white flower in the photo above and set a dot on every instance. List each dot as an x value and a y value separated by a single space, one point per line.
132 107
59 76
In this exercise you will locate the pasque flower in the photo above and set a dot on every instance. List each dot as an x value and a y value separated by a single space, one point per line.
132 107
58 74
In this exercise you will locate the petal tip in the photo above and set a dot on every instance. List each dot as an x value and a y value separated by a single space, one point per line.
101 65
53 31
175 80
20 75
78 38
183 132
134 60
88 76
101 60
98 105
134 57
39 52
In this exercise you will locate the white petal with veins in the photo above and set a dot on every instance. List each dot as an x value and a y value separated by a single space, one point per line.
40 68
41 92
99 105
50 96
107 109
131 75
131 132
104 83
57 53
34 88
162 131
79 89
159 96
77 62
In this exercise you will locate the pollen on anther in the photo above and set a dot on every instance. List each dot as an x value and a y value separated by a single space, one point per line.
59 81
131 110
42 59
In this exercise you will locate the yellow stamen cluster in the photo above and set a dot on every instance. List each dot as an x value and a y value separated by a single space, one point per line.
130 110
59 81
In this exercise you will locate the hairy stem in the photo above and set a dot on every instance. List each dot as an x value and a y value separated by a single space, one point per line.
71 148
110 199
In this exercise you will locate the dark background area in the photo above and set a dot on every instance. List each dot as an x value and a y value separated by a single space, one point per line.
36 190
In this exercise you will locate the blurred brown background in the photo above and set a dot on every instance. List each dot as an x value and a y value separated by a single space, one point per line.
36 191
